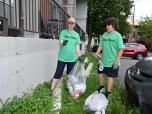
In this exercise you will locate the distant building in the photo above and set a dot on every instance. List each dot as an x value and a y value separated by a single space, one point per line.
133 36
136 22
76 9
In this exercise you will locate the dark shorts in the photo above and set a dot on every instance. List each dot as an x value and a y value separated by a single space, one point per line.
60 68
109 72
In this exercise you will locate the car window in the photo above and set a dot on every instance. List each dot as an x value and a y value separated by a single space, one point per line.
127 45
133 45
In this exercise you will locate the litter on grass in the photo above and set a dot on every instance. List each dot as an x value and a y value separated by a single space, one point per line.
76 82
96 103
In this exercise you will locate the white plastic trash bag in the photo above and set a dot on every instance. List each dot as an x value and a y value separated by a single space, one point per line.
96 102
76 82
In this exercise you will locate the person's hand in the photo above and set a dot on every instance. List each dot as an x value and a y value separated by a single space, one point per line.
65 42
115 66
98 57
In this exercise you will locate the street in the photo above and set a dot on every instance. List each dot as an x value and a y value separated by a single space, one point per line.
126 62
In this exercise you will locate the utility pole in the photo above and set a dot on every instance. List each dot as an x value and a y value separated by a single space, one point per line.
133 22
133 19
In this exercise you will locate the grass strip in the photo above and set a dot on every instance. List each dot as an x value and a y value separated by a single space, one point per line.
37 102
118 103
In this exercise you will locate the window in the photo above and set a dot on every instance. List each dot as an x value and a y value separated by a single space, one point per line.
127 45
133 45
7 2
55 12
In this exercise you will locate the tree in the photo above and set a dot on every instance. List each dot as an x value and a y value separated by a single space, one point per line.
100 10
145 27
145 31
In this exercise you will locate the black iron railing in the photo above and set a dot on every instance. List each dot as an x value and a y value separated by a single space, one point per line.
52 27
44 17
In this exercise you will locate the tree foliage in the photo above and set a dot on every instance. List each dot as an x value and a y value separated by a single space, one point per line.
145 27
100 10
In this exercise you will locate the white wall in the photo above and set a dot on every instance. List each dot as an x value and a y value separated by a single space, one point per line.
83 49
24 63
81 13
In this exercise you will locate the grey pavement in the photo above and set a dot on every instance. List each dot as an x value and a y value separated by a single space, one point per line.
149 53
126 62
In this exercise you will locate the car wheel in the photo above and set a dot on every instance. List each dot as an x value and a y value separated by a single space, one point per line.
139 56
131 97
145 109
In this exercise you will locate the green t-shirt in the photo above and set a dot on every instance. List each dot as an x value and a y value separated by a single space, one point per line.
68 52
110 43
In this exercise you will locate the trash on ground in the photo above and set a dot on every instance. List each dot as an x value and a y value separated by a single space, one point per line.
96 103
76 82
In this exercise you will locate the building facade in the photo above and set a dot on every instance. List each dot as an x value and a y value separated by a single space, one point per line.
40 18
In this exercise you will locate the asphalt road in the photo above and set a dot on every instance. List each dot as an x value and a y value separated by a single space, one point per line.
126 62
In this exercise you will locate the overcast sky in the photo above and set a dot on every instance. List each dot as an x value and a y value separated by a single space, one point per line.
143 8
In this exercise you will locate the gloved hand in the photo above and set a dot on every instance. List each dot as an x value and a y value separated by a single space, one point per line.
115 66
98 57
80 60
65 42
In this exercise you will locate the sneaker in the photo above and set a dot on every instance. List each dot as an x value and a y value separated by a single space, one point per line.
101 90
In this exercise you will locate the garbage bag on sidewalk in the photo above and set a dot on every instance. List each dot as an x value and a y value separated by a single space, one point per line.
76 82
96 102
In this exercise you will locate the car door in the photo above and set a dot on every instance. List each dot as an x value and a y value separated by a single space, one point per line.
130 50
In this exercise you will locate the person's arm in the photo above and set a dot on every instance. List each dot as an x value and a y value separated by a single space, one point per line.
98 51
60 43
78 50
61 38
120 47
99 47
78 42
119 55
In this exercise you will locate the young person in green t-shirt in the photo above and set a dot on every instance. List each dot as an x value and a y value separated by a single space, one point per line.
111 45
69 51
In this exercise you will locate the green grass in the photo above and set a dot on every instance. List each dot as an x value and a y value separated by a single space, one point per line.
40 101
37 102
118 101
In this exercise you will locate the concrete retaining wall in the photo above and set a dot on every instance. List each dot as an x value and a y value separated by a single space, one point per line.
26 62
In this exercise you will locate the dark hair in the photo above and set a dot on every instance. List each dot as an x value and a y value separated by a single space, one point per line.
113 21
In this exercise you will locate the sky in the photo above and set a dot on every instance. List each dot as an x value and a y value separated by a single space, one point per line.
143 8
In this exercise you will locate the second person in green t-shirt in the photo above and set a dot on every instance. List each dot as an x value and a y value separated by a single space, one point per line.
111 44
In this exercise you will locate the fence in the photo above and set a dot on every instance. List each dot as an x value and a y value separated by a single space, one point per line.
44 17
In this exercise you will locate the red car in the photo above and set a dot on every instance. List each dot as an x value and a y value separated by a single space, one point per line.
134 50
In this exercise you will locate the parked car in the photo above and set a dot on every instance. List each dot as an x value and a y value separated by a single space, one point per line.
138 82
136 51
